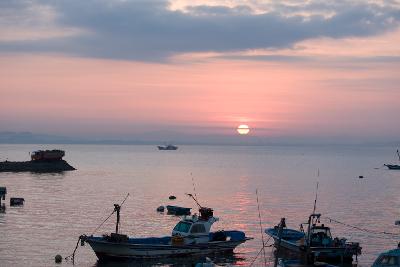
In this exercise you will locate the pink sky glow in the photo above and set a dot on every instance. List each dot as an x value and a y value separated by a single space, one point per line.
319 88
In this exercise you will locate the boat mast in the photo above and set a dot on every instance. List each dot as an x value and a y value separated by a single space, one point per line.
117 208
398 154
316 196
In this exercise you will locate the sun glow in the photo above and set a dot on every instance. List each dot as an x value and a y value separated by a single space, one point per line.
243 129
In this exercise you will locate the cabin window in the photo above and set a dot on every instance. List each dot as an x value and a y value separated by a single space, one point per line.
198 228
387 260
182 227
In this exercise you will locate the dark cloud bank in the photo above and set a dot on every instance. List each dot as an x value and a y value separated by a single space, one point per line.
149 31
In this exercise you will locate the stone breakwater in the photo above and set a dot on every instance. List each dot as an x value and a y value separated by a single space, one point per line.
35 166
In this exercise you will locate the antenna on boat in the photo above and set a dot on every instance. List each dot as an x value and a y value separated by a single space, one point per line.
195 200
316 196
194 187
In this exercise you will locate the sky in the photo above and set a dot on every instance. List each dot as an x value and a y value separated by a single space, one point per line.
180 70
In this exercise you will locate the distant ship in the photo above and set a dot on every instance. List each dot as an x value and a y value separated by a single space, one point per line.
167 147
394 166
47 155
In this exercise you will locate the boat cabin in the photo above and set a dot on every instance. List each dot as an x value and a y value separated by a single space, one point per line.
320 235
195 228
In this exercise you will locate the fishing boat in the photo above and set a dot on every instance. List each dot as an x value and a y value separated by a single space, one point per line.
394 166
191 236
179 211
388 258
167 147
315 244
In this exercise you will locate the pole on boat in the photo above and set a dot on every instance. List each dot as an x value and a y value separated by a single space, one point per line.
398 154
261 229
280 230
195 200
117 208
316 197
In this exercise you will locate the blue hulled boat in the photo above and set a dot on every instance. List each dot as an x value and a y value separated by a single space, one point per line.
388 258
314 244
191 236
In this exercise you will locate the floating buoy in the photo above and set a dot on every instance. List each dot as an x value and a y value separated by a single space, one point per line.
172 197
361 176
17 201
58 258
160 209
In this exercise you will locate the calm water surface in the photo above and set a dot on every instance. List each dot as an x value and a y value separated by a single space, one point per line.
60 207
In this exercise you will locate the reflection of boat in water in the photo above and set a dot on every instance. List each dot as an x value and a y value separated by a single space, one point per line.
167 147
298 263
191 236
47 155
315 244
390 258
219 259
394 166
176 210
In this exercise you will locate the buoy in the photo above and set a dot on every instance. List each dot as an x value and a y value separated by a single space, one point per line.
17 201
172 197
160 209
58 258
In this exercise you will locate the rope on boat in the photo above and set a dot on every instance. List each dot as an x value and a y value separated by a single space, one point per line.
83 237
98 227
72 256
258 254
364 229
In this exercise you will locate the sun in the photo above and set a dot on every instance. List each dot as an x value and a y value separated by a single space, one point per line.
243 129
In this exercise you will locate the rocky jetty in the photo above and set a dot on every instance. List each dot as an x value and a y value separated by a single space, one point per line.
35 166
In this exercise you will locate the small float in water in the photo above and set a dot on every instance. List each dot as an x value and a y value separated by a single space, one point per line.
191 236
178 211
17 201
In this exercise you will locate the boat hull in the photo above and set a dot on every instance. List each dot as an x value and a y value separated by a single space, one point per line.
392 167
167 147
295 244
124 250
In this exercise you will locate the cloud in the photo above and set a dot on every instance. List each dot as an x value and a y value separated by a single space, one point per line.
151 31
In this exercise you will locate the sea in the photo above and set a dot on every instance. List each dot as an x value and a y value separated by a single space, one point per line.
60 207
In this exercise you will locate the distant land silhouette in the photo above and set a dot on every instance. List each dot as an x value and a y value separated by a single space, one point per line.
150 138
